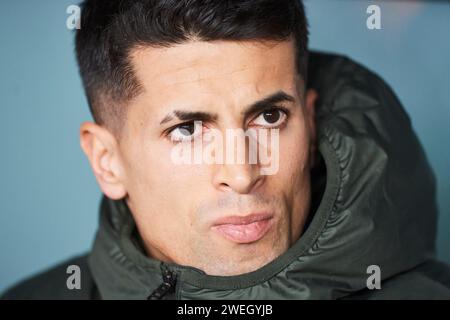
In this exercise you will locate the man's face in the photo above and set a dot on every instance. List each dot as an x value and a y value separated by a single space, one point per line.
228 218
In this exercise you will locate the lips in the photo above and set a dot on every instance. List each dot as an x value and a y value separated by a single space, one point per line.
245 229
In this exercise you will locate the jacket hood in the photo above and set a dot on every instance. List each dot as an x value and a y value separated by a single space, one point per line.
377 207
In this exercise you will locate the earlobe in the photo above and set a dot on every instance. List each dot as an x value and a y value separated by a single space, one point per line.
100 147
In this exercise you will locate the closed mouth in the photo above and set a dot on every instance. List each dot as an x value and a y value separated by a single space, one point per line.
244 229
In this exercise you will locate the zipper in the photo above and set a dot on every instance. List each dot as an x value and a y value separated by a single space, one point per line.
169 279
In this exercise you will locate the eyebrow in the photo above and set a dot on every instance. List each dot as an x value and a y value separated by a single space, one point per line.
279 96
268 101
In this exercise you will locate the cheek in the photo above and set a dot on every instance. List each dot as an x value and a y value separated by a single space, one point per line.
294 153
159 182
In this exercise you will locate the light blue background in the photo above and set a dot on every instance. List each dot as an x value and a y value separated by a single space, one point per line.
49 198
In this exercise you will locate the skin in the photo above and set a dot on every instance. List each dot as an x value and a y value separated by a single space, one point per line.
176 206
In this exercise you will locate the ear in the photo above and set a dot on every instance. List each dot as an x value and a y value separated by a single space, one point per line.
101 149
310 103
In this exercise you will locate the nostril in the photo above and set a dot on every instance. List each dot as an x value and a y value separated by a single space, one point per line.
224 185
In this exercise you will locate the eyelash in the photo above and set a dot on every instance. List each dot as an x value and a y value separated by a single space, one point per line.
271 108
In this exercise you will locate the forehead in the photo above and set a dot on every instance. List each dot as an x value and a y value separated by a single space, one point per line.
228 72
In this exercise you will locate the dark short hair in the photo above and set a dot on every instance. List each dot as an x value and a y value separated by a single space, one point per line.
110 29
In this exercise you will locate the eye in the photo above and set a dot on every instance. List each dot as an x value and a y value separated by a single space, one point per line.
186 131
272 118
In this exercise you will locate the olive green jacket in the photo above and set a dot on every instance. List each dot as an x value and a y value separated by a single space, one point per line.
373 204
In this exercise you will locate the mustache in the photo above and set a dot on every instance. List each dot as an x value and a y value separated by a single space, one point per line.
231 202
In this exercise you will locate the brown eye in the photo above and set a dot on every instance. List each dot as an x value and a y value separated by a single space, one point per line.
186 131
271 118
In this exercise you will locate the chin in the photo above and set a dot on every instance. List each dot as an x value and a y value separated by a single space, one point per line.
244 263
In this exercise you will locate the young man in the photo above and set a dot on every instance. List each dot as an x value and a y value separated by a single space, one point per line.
348 211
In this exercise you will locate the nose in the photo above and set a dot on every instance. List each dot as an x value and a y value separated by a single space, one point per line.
240 178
